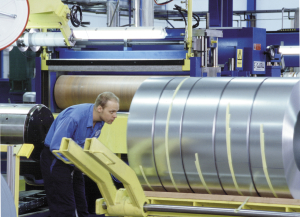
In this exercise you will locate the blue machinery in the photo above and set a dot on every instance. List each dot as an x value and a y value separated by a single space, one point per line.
240 52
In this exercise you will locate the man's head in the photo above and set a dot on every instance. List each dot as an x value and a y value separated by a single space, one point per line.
106 107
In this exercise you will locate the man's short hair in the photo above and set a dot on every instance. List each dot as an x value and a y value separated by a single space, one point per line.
102 99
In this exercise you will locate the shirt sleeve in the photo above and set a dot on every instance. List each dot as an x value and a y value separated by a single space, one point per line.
64 128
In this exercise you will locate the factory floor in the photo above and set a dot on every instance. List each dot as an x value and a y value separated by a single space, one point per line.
45 213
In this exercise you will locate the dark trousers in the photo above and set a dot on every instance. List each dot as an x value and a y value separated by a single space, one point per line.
64 187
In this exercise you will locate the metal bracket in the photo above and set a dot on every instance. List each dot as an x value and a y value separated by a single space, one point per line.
53 14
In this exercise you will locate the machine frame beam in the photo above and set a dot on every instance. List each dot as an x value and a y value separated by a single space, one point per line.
221 12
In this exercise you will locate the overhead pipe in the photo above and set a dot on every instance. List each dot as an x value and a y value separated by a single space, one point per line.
136 13
147 13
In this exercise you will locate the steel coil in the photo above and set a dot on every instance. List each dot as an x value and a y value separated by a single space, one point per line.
232 136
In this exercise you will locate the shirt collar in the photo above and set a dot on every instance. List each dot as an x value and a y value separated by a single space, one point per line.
99 125
90 118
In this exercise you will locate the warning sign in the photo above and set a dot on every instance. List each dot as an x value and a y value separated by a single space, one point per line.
239 62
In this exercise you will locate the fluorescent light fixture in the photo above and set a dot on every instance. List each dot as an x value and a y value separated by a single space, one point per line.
289 50
120 33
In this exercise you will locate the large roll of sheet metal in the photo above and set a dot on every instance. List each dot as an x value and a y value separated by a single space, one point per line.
140 132
71 89
216 135
231 136
198 136
25 123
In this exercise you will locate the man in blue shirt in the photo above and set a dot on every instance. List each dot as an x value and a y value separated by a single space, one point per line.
64 184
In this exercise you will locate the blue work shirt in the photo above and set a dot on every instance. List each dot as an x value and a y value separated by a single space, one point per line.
75 122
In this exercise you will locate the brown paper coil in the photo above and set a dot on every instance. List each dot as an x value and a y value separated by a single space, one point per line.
71 90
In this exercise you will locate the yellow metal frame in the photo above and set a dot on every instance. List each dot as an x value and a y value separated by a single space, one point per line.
114 135
45 14
24 150
97 162
221 201
52 14
189 38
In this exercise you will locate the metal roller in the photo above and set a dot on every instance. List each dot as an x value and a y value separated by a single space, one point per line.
71 90
218 135
25 123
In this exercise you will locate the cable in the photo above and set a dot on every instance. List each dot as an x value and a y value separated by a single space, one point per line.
167 2
180 11
195 16
74 20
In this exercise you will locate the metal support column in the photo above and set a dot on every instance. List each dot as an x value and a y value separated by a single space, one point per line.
221 13
195 67
136 13
11 167
129 13
14 152
1 64
38 80
251 6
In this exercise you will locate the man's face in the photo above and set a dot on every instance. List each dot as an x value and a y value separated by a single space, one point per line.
109 113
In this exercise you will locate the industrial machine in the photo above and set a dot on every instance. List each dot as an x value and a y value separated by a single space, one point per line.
23 128
219 138
193 135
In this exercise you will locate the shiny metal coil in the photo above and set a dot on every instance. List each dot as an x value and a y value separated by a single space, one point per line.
216 135
71 90
25 123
